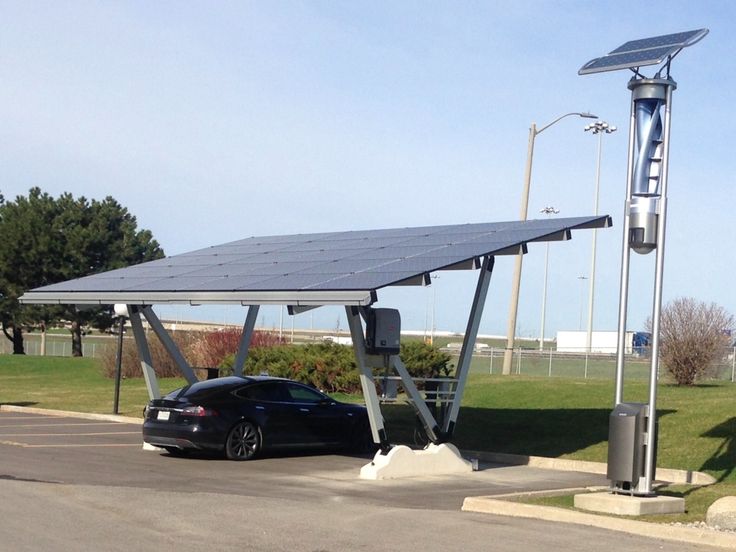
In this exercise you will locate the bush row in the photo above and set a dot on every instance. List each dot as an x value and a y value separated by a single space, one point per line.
327 366
200 349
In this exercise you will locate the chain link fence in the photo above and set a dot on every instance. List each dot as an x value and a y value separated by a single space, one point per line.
551 363
60 345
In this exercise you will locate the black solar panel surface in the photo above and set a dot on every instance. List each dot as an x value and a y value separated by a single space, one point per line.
643 52
674 39
335 261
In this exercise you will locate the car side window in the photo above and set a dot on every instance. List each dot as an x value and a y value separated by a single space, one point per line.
268 392
303 394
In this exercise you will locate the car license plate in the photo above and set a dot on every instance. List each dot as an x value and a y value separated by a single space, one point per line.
163 415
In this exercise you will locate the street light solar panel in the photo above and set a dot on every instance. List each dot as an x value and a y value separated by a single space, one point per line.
625 60
680 40
642 52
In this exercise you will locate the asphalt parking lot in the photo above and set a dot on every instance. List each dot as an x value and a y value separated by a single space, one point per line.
93 475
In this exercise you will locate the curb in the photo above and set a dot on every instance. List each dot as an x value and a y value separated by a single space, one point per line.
691 535
83 415
663 474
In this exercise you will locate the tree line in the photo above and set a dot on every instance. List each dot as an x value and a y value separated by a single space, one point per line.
45 240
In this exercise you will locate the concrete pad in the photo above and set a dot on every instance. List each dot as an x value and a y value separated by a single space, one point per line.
564 464
624 505
401 461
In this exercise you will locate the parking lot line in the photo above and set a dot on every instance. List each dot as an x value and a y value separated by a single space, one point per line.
69 434
61 425
77 445
84 445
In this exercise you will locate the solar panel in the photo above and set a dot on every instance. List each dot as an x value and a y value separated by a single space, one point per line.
646 51
329 268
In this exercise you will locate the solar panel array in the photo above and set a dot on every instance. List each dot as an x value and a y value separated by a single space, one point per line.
336 261
646 51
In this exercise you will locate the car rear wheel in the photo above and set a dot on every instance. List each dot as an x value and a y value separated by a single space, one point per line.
243 441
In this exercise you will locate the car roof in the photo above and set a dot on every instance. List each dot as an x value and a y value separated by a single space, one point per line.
228 381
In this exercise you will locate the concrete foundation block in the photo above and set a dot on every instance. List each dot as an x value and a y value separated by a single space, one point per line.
401 461
624 505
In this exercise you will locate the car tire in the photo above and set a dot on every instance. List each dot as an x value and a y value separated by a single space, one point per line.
243 441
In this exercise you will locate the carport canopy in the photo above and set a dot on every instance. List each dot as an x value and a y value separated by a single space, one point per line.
336 268
305 271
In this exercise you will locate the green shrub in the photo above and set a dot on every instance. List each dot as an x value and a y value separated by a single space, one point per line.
331 367
327 366
423 360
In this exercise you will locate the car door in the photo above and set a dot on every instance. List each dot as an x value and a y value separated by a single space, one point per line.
321 421
270 406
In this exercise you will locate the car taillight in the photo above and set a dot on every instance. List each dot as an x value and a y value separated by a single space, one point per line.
198 411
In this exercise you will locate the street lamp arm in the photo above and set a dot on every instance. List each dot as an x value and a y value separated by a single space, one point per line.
558 119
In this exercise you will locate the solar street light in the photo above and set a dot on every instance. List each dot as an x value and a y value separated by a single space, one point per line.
514 306
644 222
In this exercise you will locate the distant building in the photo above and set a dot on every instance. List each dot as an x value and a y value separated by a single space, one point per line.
575 341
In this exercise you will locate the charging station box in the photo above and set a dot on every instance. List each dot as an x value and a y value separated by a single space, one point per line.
383 332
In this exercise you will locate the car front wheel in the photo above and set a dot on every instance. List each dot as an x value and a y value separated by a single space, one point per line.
243 441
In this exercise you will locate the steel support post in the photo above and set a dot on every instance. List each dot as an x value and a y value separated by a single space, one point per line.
466 353
118 365
248 327
625 260
169 345
144 353
366 380
428 421
650 439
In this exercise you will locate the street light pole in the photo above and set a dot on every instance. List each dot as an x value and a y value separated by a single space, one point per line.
514 306
548 211
600 128
582 281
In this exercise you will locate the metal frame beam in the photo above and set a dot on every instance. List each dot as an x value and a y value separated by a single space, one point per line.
466 353
367 382
144 353
169 344
299 298
244 346
420 405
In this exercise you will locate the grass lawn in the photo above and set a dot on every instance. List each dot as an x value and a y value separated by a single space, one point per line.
65 383
553 417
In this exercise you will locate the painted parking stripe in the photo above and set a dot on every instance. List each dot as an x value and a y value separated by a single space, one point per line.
68 434
60 425
37 417
26 445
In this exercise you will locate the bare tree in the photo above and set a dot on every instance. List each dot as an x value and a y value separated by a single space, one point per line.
692 335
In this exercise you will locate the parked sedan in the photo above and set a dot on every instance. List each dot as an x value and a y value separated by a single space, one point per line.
243 415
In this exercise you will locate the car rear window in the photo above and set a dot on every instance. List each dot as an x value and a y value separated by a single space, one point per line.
210 388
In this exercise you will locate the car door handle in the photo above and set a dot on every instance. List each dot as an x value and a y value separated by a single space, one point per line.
303 410
260 408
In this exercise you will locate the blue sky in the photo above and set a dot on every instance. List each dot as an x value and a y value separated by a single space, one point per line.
217 121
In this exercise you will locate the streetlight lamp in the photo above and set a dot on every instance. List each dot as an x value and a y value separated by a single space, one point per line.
514 306
547 211
600 128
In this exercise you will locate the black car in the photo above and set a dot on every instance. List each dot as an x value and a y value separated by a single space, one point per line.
243 415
